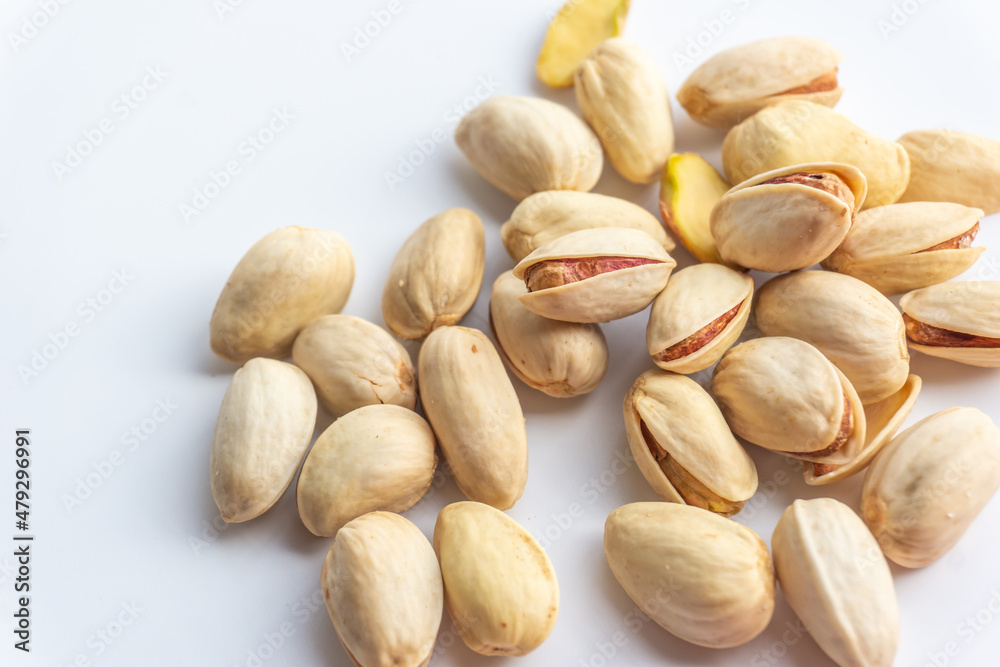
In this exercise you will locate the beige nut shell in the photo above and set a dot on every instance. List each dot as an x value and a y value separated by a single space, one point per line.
970 307
952 166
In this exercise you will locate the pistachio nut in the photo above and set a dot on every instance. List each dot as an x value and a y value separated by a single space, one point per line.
799 132
689 190
683 445
383 590
524 145
545 216
578 27
500 588
837 581
703 578
378 457
698 316
784 395
738 82
923 491
959 321
436 275
470 402
788 218
353 363
594 275
951 166
857 328
265 424
562 359
902 247
284 281
623 96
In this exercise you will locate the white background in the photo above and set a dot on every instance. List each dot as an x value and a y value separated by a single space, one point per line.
138 559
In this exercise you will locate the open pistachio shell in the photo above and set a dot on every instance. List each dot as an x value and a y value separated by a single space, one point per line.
855 326
784 395
902 247
946 165
562 359
594 275
684 447
545 216
698 316
799 132
788 218
834 577
738 82
959 321
926 487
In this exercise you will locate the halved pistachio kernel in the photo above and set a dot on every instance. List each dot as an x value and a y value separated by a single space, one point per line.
700 338
925 334
566 270
821 180
821 84
963 240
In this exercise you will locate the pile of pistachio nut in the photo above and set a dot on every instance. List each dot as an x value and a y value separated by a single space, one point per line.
827 382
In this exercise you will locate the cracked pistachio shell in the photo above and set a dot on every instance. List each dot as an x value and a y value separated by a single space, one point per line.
383 591
353 363
703 578
902 247
524 145
265 423
578 27
785 226
951 166
472 406
683 445
855 326
284 281
500 588
623 96
698 316
598 296
959 321
738 82
799 132
784 395
924 490
837 581
379 457
562 359
545 216
436 275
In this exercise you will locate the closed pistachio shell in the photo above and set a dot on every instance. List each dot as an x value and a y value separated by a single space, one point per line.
951 166
524 145
959 321
265 423
594 275
698 316
784 395
562 359
684 447
799 132
788 218
378 457
926 487
284 281
903 247
703 578
837 581
623 96
855 326
353 363
500 588
383 591
545 216
472 406
436 275
738 82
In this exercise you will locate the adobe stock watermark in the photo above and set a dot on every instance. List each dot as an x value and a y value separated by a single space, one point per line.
272 641
971 627
408 163
87 311
247 151
104 637
365 34
120 109
899 16
34 22
131 441
225 7
773 653
698 43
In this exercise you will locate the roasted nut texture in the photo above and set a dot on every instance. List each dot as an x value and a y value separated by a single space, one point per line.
959 321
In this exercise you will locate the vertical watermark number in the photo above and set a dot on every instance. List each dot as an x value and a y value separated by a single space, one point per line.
22 540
